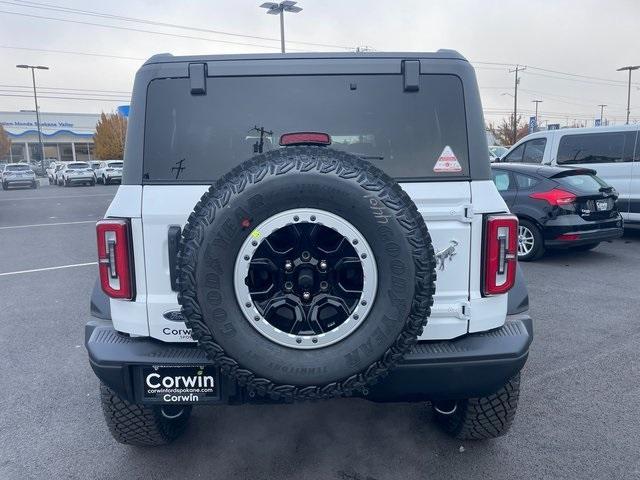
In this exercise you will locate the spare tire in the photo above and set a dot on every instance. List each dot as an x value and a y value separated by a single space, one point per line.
305 273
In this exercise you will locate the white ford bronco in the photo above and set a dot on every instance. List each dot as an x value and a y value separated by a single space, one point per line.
302 227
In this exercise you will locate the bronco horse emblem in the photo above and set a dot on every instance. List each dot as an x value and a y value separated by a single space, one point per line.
448 252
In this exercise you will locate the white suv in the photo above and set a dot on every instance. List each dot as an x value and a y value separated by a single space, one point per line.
74 173
109 171
285 247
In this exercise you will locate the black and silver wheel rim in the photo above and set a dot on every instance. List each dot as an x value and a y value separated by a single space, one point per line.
305 278
526 241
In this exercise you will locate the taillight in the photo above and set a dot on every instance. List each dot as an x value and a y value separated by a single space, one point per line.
305 138
555 197
113 258
501 248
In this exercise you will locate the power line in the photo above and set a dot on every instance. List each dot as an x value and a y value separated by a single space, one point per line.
68 98
139 30
71 89
9 47
93 13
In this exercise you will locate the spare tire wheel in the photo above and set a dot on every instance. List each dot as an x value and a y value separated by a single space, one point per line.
306 273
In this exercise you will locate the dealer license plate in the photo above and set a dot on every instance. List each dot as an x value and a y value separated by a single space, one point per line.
169 384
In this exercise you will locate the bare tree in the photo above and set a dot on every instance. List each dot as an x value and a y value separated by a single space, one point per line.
110 135
503 132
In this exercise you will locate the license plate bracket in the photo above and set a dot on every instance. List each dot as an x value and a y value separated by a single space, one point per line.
179 384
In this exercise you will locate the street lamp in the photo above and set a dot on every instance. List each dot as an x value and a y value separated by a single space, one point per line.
537 102
279 9
630 68
35 97
601 105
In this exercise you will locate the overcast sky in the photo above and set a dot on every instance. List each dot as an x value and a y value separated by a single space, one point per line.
591 38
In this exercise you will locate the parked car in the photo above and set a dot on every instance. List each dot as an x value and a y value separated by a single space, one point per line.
51 172
496 152
109 171
75 173
57 173
18 175
307 271
613 152
558 207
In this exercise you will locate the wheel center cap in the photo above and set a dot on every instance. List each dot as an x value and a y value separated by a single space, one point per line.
305 279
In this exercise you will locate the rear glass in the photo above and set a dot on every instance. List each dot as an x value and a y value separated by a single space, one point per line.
77 166
584 183
198 138
16 168
115 164
610 147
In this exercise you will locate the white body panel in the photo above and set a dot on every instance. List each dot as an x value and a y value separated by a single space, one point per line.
453 212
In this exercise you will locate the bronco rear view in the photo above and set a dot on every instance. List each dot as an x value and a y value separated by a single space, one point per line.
307 227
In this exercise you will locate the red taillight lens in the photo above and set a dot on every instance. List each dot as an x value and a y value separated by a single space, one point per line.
555 197
305 138
113 258
501 248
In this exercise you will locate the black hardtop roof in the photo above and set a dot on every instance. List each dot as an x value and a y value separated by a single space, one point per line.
546 171
442 54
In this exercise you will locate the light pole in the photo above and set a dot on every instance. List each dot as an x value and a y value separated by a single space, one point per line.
536 102
630 68
35 97
515 100
279 9
601 105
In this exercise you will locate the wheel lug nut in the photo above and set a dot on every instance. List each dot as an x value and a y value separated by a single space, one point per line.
288 286
288 265
306 255
324 285
306 296
323 264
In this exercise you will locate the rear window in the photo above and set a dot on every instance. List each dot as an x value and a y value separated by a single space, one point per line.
198 138
77 166
610 147
115 164
17 168
584 183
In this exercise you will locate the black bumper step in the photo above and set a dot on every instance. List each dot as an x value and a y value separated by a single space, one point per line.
474 365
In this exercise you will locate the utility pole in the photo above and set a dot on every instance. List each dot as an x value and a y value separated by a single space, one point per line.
279 9
35 97
602 105
515 101
630 68
536 102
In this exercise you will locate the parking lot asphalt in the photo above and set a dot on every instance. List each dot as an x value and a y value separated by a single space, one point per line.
578 414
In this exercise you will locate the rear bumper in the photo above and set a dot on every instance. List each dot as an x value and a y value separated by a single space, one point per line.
14 182
583 237
471 366
87 178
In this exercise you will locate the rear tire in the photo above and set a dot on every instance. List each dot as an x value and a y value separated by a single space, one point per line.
585 248
481 418
34 185
104 180
530 242
92 183
65 182
5 186
141 425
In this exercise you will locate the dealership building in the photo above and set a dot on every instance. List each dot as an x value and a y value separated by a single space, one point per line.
66 136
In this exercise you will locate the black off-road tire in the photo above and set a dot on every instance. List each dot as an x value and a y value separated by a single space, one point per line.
140 425
329 180
482 418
